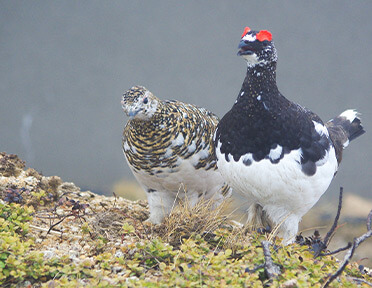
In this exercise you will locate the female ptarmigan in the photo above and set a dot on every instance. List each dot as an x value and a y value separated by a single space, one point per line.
169 148
279 155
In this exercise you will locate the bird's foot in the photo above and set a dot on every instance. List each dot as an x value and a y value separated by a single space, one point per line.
265 230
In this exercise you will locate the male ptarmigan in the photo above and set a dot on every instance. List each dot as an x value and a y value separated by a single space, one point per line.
278 154
169 148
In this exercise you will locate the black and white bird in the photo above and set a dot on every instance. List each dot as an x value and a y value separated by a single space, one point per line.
169 148
278 154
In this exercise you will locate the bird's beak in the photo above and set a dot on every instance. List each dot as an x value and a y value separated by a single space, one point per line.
245 48
132 113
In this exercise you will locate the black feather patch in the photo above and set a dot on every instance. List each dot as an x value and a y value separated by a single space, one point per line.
262 118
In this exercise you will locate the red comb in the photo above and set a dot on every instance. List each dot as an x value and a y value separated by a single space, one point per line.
246 30
264 35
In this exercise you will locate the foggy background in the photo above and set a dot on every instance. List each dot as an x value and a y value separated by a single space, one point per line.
64 66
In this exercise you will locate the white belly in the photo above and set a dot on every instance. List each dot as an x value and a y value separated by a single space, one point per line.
182 178
281 188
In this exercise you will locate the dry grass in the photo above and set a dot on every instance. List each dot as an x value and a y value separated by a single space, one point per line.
185 221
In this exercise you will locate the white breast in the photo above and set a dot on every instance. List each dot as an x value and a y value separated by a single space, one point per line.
282 188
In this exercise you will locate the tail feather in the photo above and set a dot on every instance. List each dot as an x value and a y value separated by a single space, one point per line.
343 129
350 121
356 129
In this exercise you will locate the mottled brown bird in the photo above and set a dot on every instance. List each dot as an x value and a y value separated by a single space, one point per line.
169 148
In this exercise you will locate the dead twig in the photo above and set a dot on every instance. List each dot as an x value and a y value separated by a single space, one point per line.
369 221
271 270
334 226
324 244
350 252
255 268
59 222
58 233
115 199
337 250
49 217
359 280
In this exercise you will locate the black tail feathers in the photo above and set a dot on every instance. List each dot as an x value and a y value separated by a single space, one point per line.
347 124
355 129
343 129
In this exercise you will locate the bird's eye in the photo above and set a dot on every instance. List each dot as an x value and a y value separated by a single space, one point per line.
145 100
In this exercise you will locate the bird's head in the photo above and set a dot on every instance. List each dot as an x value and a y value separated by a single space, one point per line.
139 103
257 47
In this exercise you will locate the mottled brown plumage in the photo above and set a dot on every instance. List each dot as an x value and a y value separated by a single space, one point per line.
168 144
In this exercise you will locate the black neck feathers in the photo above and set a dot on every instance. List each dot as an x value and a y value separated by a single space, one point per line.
260 81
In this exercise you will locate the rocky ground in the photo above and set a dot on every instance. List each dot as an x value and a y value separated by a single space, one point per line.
53 234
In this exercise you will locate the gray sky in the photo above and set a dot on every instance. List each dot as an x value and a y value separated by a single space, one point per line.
65 65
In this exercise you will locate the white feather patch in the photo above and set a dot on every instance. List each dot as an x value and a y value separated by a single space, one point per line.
275 153
252 60
321 129
249 37
349 114
191 148
126 146
178 141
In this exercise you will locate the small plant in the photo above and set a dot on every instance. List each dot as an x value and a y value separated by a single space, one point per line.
13 195
128 229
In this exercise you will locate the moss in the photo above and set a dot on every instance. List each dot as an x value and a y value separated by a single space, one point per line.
197 262
192 248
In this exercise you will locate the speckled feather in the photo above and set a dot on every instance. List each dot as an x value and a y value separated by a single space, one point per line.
160 146
153 144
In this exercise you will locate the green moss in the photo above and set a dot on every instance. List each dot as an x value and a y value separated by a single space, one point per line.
18 260
198 262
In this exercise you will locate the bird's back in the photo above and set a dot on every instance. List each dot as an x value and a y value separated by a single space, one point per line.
178 132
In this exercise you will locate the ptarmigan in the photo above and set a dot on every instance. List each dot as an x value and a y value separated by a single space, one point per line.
278 154
169 148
